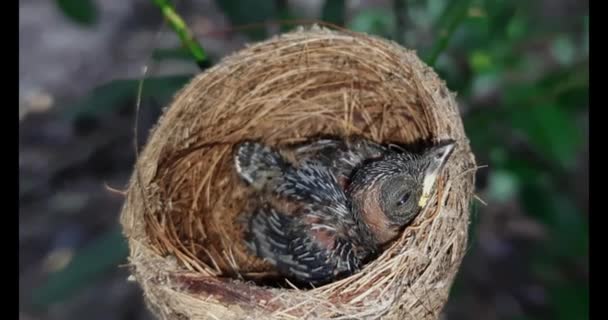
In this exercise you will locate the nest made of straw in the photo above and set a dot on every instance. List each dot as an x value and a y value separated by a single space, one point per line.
184 199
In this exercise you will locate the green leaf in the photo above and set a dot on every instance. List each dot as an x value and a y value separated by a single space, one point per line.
453 15
450 11
475 35
377 21
186 36
284 13
83 12
103 254
523 169
435 9
334 11
482 135
485 83
568 227
516 29
480 61
571 229
533 195
576 73
571 301
568 245
112 95
501 14
566 87
503 185
549 129
563 50
576 98
248 12
103 99
420 17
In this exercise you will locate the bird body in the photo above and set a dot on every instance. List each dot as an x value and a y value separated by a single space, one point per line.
329 205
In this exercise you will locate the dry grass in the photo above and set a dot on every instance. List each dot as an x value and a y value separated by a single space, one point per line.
185 236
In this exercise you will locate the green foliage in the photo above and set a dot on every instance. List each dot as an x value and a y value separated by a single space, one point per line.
284 13
83 12
112 95
566 224
183 32
520 115
453 15
87 265
374 21
503 185
334 11
528 131
563 49
550 131
247 12
180 53
571 301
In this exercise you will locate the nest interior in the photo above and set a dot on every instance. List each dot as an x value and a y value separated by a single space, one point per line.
185 203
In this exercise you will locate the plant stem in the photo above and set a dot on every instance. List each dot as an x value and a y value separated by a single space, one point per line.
179 26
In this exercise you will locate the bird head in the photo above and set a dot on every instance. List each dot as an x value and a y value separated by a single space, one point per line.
402 182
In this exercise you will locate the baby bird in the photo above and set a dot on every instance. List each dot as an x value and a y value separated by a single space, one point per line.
329 206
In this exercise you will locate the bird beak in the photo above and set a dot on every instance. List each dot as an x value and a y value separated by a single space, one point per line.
437 157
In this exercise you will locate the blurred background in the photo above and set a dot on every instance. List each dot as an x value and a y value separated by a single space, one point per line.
520 69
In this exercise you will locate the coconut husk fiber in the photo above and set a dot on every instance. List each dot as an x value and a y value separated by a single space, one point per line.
184 201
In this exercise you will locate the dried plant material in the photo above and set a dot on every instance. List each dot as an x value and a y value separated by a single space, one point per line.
185 236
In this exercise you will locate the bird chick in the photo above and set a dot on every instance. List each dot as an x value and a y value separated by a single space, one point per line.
300 226
341 156
328 206
389 193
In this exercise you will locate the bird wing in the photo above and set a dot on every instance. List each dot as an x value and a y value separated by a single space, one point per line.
323 150
301 249
342 156
258 164
315 184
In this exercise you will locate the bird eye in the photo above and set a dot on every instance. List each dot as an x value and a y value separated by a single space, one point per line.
403 199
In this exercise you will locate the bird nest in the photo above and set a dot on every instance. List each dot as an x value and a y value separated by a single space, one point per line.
184 202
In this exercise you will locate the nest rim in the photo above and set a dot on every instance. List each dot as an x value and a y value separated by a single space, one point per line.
180 274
